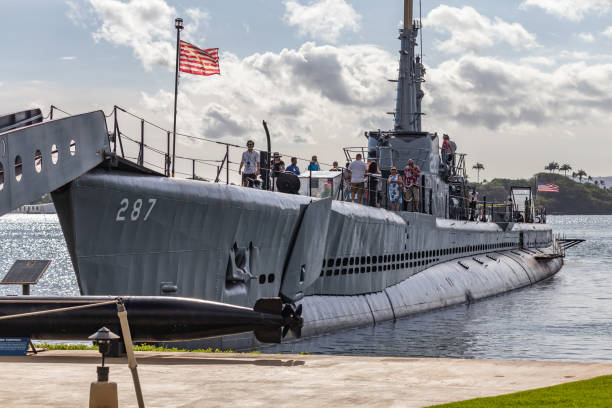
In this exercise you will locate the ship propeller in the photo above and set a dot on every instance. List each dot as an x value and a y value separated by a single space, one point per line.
292 320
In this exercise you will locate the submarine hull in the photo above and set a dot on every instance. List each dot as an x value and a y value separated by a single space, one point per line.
456 282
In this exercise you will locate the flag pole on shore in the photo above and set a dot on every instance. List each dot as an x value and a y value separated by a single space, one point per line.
178 23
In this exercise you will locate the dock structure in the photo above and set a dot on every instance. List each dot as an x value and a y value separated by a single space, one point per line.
61 378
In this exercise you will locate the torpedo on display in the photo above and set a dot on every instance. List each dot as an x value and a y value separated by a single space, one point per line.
151 318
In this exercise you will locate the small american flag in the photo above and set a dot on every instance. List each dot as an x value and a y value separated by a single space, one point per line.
194 60
547 187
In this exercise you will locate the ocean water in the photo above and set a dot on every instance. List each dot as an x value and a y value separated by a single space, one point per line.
565 318
37 236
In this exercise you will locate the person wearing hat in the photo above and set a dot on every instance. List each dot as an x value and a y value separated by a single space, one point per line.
277 167
395 189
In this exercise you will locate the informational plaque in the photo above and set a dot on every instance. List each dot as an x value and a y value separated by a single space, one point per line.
25 272
14 346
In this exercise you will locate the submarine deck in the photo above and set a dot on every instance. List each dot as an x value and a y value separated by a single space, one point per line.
62 378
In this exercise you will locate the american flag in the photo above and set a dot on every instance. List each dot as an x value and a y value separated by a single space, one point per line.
547 187
194 60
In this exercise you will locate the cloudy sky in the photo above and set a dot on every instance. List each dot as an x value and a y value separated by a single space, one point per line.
517 83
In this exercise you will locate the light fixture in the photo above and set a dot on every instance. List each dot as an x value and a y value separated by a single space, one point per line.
178 23
103 393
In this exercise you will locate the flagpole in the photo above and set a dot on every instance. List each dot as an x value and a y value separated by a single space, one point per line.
536 190
178 23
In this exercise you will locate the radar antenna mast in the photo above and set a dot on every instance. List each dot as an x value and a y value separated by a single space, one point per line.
411 72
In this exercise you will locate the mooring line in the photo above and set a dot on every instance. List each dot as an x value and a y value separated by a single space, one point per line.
62 309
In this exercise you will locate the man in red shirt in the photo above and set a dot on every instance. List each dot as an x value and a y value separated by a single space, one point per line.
447 150
412 172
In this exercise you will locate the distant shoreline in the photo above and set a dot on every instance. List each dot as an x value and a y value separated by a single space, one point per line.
573 198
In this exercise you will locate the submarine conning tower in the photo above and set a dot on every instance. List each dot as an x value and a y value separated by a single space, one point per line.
411 73
407 140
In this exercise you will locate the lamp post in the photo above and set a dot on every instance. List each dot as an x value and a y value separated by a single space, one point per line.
103 393
178 24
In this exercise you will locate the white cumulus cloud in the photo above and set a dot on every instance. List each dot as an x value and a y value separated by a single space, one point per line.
570 9
535 60
586 37
305 94
322 19
494 93
197 17
79 13
145 25
471 31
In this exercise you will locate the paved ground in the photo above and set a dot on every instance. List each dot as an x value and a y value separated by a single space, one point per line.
61 379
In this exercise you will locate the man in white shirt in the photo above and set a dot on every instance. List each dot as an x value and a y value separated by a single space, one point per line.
358 171
250 162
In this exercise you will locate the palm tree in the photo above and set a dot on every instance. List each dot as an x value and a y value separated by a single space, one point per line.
478 167
565 168
580 174
552 166
555 166
590 178
573 174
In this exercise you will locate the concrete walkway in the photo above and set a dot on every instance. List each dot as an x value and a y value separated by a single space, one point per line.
61 379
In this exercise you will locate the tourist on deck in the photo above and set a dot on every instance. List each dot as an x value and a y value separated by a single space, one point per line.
250 162
528 217
509 216
373 185
358 171
395 184
293 167
447 150
314 164
346 180
335 167
473 202
277 167
412 173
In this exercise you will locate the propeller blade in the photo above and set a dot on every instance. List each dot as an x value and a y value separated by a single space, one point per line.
292 320
287 311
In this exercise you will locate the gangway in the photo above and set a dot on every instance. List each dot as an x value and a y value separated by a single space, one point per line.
41 157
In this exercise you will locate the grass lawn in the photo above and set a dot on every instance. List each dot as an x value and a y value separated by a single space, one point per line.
137 347
593 393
